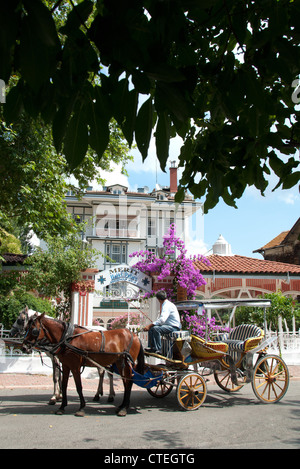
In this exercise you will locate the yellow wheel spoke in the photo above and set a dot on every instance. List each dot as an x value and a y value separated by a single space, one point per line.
270 379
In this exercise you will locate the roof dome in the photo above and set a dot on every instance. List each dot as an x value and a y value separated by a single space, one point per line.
222 247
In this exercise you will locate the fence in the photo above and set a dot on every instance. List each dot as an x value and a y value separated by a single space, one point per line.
287 345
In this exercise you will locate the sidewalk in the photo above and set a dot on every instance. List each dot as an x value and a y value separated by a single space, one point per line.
19 380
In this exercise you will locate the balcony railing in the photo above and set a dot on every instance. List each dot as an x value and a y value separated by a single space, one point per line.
117 233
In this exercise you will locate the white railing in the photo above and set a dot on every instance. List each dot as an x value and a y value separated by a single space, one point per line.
8 350
117 233
286 340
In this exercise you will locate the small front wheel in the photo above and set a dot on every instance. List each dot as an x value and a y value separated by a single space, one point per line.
191 391
163 387
270 379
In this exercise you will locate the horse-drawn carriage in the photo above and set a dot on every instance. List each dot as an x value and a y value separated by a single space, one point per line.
235 359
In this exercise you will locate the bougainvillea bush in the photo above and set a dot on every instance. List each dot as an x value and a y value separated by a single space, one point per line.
122 321
196 324
174 262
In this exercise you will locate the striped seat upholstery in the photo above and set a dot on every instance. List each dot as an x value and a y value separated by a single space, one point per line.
244 337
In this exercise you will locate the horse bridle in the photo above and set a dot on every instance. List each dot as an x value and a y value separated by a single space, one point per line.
35 332
45 342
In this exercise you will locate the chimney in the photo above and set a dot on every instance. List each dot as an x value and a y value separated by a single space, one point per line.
173 177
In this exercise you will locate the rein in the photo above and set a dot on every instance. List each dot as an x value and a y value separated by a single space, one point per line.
68 336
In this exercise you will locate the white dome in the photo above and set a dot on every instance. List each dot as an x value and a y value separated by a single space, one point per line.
222 247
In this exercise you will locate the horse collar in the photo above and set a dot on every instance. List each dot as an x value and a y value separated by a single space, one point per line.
68 332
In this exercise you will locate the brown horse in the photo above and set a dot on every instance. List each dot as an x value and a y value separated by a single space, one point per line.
18 329
76 347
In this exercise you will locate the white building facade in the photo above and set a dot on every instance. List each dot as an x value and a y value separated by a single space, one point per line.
120 223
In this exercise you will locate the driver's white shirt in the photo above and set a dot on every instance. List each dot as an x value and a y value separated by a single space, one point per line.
169 315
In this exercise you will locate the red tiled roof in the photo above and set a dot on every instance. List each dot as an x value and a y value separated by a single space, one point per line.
14 258
242 265
283 238
274 242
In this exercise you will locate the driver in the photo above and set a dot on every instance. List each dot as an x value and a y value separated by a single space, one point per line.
168 321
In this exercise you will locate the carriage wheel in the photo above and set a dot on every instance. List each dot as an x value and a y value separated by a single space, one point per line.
270 379
223 380
191 391
162 388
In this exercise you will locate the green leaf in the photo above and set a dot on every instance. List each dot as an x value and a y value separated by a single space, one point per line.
162 136
76 139
141 82
41 18
60 122
39 44
173 99
125 108
99 131
77 16
14 104
291 180
9 23
179 196
143 128
165 73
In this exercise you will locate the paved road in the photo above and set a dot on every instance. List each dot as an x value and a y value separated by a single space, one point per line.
223 421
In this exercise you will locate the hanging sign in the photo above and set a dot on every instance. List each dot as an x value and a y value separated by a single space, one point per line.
124 273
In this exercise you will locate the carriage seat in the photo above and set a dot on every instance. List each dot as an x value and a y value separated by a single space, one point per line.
244 337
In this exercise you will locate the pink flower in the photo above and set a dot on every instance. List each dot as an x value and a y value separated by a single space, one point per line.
180 267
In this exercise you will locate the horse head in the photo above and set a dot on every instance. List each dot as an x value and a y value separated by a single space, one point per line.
21 322
34 332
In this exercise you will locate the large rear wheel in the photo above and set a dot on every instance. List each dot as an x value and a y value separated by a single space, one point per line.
270 379
224 381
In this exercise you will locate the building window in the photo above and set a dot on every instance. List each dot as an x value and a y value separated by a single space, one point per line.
116 252
151 226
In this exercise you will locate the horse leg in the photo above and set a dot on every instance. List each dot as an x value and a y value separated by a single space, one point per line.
65 379
127 381
77 379
56 381
111 388
100 385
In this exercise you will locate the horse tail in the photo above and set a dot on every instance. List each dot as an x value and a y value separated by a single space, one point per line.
140 360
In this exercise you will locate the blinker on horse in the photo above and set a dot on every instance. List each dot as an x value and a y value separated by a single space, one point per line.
75 347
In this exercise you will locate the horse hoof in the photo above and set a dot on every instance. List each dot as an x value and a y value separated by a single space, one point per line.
60 412
96 398
80 413
52 402
122 413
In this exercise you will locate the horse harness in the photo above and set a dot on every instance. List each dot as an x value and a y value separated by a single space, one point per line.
68 336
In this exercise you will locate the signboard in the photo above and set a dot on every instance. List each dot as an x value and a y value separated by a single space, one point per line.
123 273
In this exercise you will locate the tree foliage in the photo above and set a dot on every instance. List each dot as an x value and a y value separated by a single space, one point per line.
35 178
32 180
281 305
10 306
9 243
221 74
53 271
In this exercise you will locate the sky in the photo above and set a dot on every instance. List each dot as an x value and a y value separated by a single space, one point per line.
255 222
